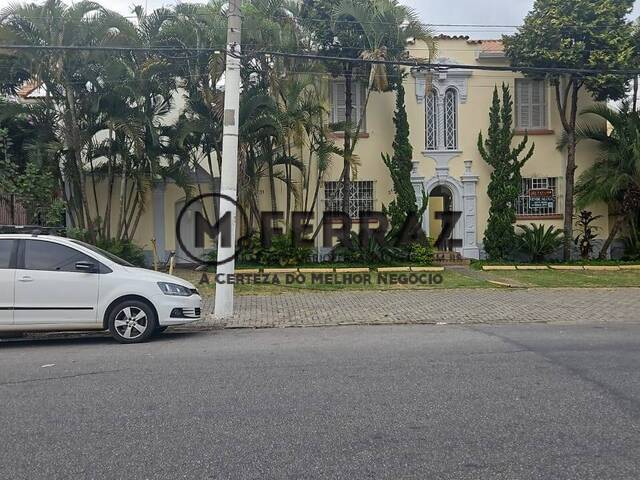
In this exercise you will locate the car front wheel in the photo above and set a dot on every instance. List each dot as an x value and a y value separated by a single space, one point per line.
132 321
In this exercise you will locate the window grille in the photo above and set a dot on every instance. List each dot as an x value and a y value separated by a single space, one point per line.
361 197
450 120
538 197
431 117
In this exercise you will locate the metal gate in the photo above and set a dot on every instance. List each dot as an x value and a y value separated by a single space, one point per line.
12 212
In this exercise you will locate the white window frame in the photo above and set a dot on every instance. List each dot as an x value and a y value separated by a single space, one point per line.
441 127
358 98
524 88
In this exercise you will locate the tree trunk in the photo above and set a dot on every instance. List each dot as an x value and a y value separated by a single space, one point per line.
107 208
635 93
95 194
307 179
76 145
287 169
348 153
272 180
568 108
570 175
612 236
568 197
123 195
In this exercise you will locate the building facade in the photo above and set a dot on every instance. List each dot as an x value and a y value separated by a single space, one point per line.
446 110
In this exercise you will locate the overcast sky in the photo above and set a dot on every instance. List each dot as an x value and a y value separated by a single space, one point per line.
493 12
490 12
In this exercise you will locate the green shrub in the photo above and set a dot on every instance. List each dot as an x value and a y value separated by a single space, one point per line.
369 252
125 249
632 241
538 241
422 252
281 252
586 236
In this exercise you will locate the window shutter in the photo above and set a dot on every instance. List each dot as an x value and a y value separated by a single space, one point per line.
339 99
358 96
523 109
538 106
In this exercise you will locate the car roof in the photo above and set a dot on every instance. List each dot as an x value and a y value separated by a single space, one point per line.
40 236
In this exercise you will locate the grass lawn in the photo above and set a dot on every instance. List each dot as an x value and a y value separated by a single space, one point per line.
568 278
458 278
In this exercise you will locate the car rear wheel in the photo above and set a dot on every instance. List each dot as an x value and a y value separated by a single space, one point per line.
132 321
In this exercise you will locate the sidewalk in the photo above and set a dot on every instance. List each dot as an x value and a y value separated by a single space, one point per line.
575 305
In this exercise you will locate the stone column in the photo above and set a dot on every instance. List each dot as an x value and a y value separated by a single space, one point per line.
159 219
469 199
418 187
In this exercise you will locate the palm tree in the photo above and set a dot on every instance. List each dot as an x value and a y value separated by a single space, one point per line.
615 177
375 30
69 77
259 125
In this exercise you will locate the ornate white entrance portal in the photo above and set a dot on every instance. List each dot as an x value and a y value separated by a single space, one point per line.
441 92
463 199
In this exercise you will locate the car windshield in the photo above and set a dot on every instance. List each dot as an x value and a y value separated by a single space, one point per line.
104 253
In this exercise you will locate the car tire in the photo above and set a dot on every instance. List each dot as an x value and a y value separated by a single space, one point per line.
132 321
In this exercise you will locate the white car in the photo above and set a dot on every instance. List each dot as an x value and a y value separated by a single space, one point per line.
55 283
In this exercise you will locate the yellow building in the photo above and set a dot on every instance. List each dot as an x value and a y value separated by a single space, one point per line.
446 109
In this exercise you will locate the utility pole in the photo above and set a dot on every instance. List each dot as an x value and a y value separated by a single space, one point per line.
229 173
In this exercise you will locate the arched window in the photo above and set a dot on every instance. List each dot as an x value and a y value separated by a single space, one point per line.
431 120
451 120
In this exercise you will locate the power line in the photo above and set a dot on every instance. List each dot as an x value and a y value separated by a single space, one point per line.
115 48
445 66
416 63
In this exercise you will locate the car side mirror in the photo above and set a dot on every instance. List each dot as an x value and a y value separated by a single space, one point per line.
85 266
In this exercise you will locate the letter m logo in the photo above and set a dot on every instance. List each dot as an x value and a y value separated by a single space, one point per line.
221 227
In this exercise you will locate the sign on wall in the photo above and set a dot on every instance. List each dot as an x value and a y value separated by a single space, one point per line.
541 199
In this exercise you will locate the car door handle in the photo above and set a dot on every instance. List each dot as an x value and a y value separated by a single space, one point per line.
26 278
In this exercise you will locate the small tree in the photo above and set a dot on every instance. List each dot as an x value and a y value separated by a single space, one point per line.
587 233
575 34
496 150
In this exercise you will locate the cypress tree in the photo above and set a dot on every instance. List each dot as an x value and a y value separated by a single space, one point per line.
400 166
504 187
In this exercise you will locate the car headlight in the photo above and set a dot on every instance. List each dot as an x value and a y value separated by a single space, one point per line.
175 289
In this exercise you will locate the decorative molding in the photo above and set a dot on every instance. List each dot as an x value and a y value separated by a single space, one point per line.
441 80
531 133
442 157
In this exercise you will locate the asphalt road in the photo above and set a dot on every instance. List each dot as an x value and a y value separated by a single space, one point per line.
428 402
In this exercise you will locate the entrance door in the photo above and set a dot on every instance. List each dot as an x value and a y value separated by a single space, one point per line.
7 279
49 289
443 220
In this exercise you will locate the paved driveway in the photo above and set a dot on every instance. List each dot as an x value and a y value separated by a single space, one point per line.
581 305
